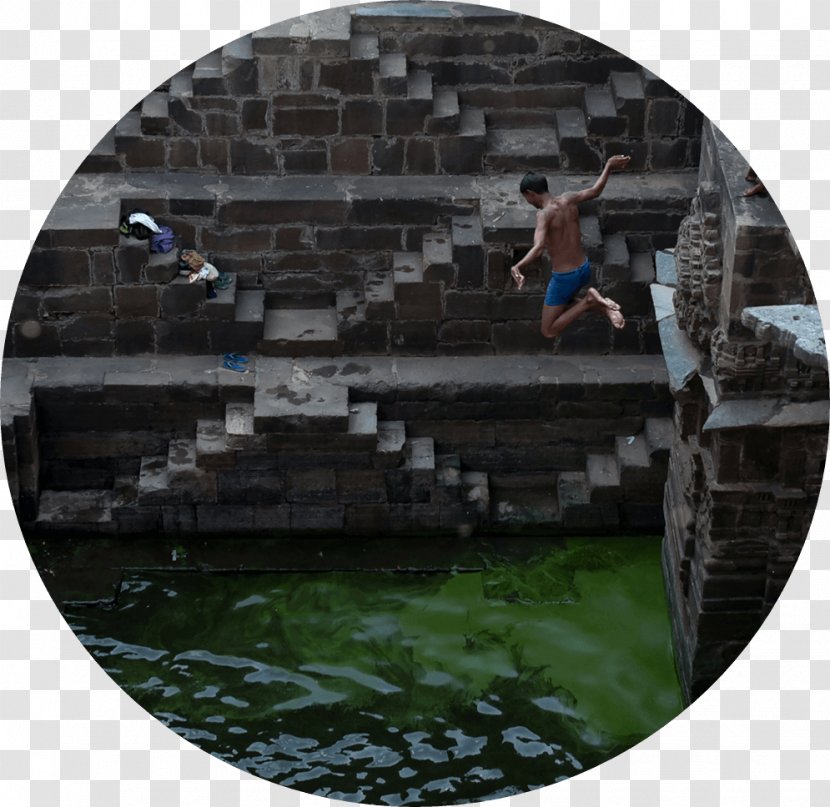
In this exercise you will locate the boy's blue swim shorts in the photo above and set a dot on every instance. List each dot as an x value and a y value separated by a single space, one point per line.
564 285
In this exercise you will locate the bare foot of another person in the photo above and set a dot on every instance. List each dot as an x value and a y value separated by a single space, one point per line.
605 302
757 189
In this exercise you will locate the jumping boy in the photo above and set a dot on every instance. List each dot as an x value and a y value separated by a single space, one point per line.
557 229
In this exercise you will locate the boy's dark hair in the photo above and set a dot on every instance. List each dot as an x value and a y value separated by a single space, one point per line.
534 182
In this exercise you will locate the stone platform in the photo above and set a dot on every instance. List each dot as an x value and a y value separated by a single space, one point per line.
368 445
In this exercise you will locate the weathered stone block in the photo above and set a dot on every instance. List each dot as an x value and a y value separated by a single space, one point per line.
56 267
388 156
221 124
45 342
72 300
230 518
671 154
181 298
250 487
134 338
310 122
317 517
143 152
229 239
305 161
519 336
351 156
182 153
419 301
188 336
254 114
420 156
213 153
253 158
464 331
349 76
136 301
368 519
413 337
461 155
361 487
361 116
407 116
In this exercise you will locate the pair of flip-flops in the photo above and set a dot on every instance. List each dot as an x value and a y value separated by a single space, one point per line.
235 362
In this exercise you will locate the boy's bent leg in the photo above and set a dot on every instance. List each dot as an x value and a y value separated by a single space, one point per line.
550 313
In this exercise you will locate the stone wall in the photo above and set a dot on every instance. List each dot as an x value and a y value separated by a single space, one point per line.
405 88
748 371
361 445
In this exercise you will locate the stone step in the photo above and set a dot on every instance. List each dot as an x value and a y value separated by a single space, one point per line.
379 293
153 487
577 511
181 85
297 406
161 267
407 267
365 47
299 332
419 86
239 67
192 483
446 112
523 149
208 75
415 299
616 264
517 500
390 443
75 509
468 251
603 478
223 306
80 224
666 268
642 268
475 492
662 298
155 114
103 159
250 305
601 113
629 99
393 74
448 477
659 438
576 153
212 450
640 478
414 16
520 118
437 258
239 425
472 123
363 425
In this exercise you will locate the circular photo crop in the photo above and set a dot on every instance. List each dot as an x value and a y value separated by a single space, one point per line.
414 403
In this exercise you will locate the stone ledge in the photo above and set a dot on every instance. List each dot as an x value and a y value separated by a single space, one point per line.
797 327
767 412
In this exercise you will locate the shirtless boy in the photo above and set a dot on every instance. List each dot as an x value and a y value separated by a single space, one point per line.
557 229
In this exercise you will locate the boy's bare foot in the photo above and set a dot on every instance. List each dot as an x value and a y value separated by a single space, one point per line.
616 317
605 302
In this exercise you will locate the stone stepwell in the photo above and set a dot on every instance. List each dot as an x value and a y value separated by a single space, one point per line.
413 265
405 88
365 445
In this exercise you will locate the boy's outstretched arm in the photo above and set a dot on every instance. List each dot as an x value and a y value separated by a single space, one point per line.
615 163
539 242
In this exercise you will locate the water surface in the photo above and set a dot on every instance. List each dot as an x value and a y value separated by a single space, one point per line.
392 689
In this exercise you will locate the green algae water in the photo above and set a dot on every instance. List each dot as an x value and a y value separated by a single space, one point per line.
392 688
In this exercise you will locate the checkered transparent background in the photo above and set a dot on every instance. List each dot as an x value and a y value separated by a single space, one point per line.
70 68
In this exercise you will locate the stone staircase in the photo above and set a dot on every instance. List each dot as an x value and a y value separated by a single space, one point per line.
366 445
351 91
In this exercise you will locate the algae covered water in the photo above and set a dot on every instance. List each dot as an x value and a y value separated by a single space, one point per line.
391 688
